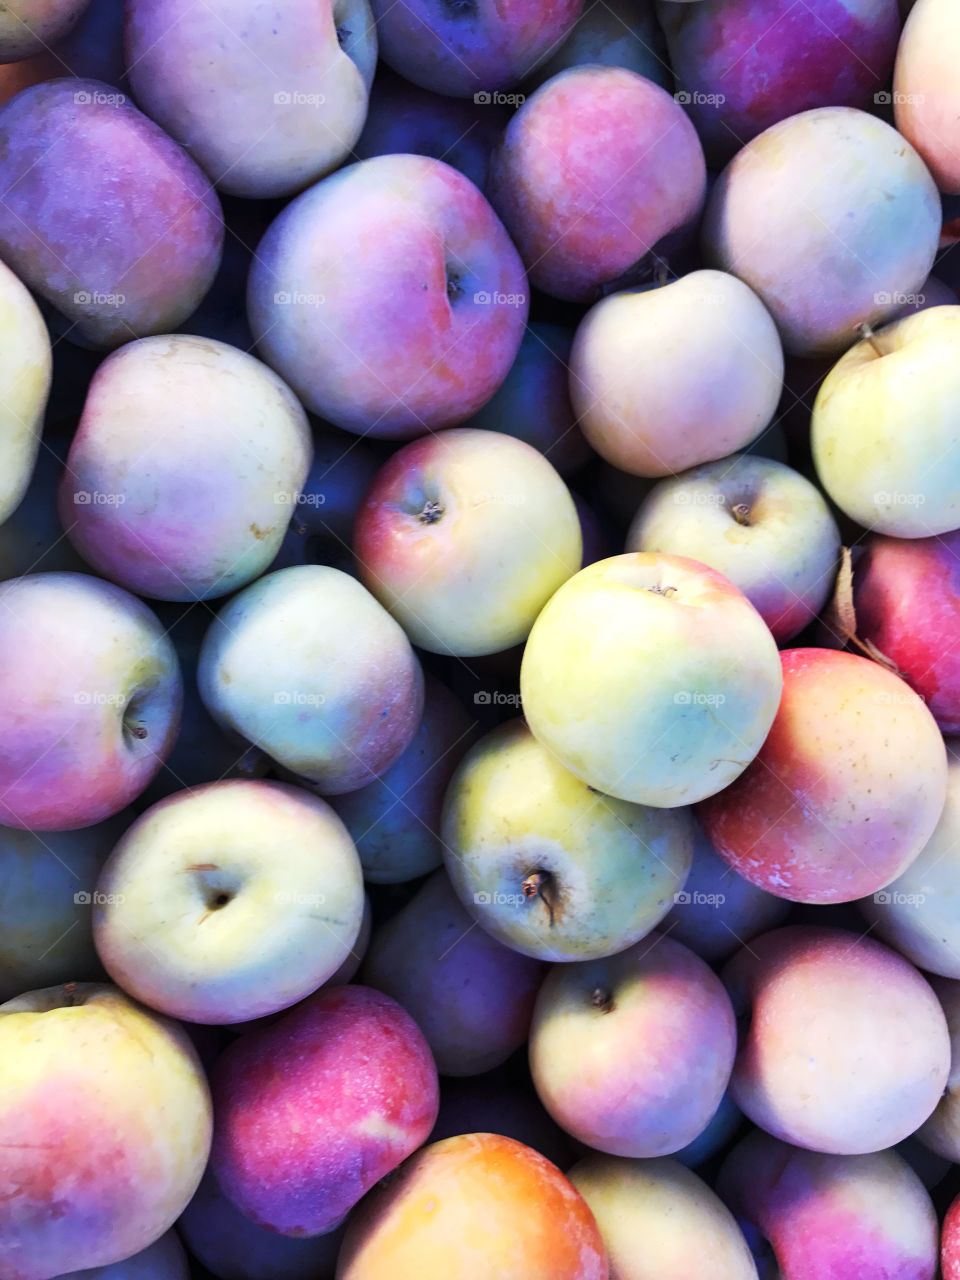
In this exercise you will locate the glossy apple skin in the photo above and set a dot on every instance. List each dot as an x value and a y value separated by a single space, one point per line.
766 61
758 522
105 216
533 403
652 678
907 597
619 34
846 790
404 119
918 912
475 51
718 910
926 96
884 411
104 1129
847 1049
201 496
471 996
27 27
90 695
25 369
162 1260
611 869
337 303
706 332
232 1247
464 536
830 1217
265 99
395 821
307 665
676 1216
296 1149
46 892
851 256
649 174
631 1054
475 1206
230 901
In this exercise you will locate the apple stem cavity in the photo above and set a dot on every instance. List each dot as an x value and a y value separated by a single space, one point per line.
540 884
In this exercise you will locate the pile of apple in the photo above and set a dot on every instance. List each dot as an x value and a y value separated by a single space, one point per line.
480 639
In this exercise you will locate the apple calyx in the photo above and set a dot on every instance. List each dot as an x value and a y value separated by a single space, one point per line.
601 999
431 513
741 513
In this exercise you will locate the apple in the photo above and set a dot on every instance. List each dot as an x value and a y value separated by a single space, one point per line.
475 1206
845 1048
917 912
266 99
659 1221
162 1260
652 678
631 1054
846 790
404 119
707 334
189 505
886 428
717 910
306 665
744 65
471 996
549 866
464 536
47 884
759 523
594 172
831 1216
205 874
233 1247
90 695
533 402
831 217
28 27
298 1144
25 369
105 1128
338 307
472 52
623 33
907 602
950 1243
926 101
104 216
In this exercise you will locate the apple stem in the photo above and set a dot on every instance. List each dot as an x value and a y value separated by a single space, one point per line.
535 885
137 730
867 334
601 999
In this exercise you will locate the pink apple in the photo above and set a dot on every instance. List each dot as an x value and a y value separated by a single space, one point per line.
298 1144
632 1054
846 1048
846 790
926 96
390 297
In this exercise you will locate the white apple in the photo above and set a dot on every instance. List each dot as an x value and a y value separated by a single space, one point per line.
229 902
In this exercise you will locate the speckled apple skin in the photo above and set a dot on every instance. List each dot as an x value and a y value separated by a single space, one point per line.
314 1109
103 214
846 1050
846 790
